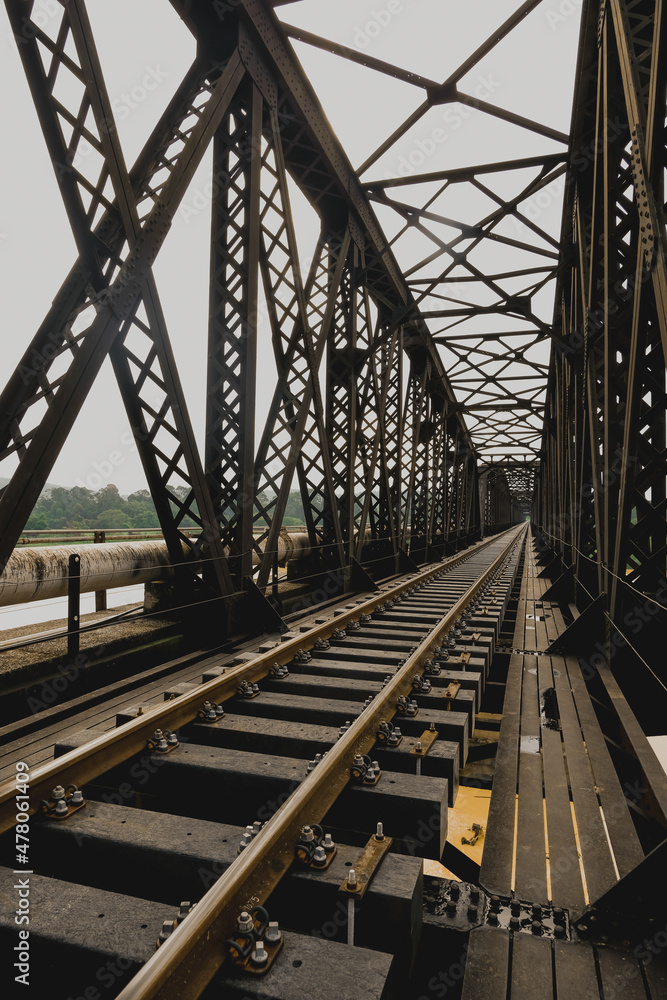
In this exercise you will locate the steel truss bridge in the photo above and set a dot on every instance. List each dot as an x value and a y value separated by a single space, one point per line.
445 368
394 453
398 455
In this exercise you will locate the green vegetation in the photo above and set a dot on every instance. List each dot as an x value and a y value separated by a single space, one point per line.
84 509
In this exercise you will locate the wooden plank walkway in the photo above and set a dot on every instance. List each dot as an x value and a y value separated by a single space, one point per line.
516 966
559 830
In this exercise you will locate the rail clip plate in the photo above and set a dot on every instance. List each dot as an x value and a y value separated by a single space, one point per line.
427 739
366 867
451 692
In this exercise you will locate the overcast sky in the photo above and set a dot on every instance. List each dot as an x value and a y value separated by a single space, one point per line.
145 51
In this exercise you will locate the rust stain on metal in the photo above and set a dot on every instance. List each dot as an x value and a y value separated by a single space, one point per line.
365 867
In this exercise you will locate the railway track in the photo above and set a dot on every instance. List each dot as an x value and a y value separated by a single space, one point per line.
231 792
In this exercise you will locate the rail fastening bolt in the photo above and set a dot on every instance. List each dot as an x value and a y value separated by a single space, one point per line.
273 933
167 929
320 855
260 955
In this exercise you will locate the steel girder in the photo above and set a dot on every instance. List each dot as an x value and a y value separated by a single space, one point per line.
602 493
388 457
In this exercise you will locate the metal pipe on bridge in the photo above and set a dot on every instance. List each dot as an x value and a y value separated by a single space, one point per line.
43 572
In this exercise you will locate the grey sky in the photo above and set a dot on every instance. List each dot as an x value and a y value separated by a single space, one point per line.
145 51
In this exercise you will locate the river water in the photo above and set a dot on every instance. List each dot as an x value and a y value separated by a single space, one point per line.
36 612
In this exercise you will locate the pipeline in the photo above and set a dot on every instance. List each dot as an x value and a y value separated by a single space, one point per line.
42 572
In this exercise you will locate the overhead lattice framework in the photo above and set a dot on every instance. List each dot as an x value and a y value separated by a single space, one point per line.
362 417
477 256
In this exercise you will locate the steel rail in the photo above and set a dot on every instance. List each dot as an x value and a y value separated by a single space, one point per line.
87 762
192 955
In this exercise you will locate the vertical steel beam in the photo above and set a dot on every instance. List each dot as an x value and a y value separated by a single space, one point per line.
233 325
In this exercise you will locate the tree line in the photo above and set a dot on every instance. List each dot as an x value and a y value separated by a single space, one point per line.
79 507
